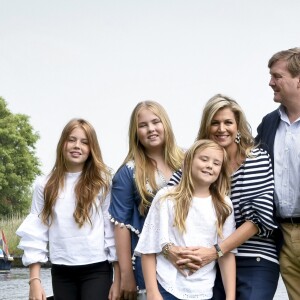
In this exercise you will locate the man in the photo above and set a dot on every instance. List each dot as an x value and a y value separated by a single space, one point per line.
279 133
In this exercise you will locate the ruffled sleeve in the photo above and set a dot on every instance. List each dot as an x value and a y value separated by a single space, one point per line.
125 199
33 232
155 233
256 201
109 240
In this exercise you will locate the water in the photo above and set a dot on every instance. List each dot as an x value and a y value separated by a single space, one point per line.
14 285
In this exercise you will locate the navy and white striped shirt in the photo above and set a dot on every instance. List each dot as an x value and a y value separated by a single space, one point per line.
252 189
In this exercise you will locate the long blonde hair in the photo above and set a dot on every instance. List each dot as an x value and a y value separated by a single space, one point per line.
145 167
95 176
218 102
184 191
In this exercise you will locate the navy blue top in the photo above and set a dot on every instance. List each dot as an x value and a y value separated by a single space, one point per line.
124 211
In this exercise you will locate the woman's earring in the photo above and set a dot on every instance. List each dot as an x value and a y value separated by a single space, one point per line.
238 137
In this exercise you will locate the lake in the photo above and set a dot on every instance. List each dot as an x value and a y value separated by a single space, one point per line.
14 285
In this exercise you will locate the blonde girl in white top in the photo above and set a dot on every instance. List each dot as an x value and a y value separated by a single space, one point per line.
195 212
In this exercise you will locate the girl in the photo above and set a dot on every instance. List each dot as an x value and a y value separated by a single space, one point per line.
195 212
70 212
252 187
152 158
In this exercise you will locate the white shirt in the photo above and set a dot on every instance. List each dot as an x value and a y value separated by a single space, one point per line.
68 244
201 230
287 167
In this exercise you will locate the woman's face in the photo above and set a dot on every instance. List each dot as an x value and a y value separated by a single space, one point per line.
76 150
223 128
150 132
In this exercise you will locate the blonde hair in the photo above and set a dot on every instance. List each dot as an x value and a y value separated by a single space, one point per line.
95 176
184 191
217 103
145 167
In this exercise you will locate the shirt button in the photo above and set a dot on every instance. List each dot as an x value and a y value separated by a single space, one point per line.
258 259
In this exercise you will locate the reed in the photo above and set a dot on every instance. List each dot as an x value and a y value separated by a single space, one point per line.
9 225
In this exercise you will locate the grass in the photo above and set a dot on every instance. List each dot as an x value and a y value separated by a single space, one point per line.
9 225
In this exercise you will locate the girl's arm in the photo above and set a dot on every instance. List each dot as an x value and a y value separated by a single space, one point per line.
123 245
228 273
36 290
114 293
149 272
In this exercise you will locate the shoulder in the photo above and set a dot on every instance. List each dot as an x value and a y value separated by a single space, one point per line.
272 115
125 169
40 182
259 154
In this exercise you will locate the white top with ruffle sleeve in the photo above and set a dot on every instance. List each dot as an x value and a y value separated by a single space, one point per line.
68 244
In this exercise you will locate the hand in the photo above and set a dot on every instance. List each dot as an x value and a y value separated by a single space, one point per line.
128 286
115 291
36 291
174 255
196 257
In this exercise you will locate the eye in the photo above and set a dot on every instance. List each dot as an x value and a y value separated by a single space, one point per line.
156 121
142 125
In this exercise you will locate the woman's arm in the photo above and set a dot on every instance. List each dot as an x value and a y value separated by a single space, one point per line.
200 256
36 290
123 246
149 272
228 272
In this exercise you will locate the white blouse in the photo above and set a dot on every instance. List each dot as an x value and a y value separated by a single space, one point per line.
68 244
201 230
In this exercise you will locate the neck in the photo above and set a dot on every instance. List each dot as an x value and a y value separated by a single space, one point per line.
293 111
234 157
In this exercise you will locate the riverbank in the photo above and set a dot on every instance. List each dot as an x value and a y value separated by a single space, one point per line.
14 285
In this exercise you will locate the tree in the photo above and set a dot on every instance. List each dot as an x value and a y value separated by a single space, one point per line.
19 165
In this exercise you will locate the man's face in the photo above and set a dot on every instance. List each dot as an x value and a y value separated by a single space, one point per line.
285 87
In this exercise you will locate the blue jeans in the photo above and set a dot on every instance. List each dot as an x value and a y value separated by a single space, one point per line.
256 278
166 295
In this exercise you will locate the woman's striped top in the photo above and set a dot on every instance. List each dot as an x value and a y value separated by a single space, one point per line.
252 189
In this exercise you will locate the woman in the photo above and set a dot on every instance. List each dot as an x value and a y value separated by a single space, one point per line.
152 158
252 187
70 212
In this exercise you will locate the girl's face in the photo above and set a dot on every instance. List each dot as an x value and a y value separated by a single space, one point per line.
223 128
76 150
150 132
206 166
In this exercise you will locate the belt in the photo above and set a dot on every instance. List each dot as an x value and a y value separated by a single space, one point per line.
291 220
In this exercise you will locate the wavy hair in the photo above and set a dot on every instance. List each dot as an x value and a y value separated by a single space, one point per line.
217 103
184 191
145 167
95 176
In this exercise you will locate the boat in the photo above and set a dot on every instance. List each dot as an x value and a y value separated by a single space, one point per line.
5 258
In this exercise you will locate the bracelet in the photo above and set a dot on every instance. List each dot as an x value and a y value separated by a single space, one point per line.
34 278
166 249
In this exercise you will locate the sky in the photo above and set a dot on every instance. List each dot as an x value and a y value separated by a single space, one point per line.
96 59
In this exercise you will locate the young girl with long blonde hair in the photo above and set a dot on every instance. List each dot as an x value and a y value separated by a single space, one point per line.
195 212
152 158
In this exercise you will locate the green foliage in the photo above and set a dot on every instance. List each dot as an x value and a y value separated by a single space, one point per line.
9 225
18 162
